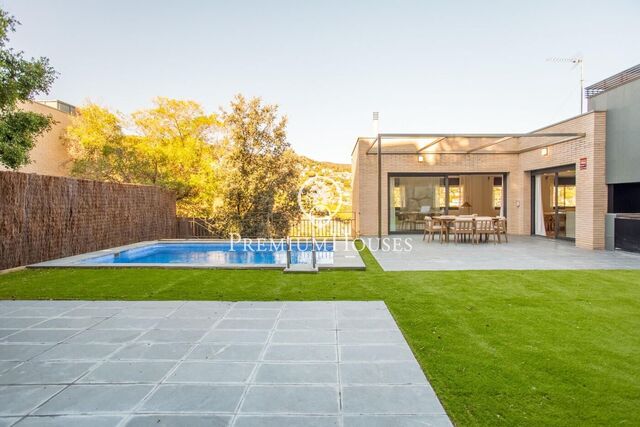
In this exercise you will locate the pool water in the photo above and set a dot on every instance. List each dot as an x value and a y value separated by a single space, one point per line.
216 254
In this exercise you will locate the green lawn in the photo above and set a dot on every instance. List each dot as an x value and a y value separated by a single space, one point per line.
500 347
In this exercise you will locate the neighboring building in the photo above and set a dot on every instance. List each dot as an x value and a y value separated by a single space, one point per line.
50 156
550 182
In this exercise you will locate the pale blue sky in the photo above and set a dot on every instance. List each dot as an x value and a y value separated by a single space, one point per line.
427 66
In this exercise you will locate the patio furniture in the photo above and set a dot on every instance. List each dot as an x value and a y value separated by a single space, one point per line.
410 220
500 224
432 227
446 222
484 227
463 228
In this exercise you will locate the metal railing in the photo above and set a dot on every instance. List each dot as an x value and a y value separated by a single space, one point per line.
265 226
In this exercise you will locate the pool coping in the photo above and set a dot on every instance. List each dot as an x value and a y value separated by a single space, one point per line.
344 258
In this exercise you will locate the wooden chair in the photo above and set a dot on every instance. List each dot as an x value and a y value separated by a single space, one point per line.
484 227
431 228
501 228
463 228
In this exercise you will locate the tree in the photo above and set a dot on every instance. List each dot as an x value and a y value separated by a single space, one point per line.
171 145
261 183
20 80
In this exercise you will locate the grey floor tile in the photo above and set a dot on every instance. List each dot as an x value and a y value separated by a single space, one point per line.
345 324
69 323
5 366
211 372
150 351
19 322
307 305
71 421
162 420
107 304
128 323
184 323
128 372
8 421
390 400
382 373
296 313
291 400
317 336
198 313
39 312
80 399
259 304
375 353
363 313
104 336
245 337
193 398
78 352
6 332
227 352
396 421
20 400
301 353
92 312
145 313
22 352
45 373
370 337
329 324
172 335
252 313
246 324
157 304
286 421
41 336
298 373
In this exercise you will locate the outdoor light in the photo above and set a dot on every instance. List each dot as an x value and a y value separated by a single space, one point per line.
421 158
544 151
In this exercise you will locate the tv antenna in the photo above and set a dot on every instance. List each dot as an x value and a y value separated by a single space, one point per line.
578 62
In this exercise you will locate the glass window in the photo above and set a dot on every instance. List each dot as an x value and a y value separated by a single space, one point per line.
566 196
497 197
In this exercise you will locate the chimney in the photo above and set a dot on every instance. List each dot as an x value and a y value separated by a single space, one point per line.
376 125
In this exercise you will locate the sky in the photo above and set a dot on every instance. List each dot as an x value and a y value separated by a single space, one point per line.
426 66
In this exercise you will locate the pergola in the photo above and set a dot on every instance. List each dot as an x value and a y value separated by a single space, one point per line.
428 145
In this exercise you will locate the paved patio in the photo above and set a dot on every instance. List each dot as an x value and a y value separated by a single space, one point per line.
521 253
107 363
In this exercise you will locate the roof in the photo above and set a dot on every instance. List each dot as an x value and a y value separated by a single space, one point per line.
500 143
614 81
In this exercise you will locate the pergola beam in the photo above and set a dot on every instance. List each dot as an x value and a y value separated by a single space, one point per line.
432 143
490 144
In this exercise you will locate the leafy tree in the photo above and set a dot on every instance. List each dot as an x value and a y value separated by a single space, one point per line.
261 184
20 81
171 145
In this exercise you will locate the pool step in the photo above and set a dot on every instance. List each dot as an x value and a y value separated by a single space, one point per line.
301 268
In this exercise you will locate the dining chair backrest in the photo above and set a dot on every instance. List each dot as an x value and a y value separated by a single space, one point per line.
484 225
463 225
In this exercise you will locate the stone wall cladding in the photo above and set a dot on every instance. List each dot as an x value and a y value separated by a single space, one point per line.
45 217
591 187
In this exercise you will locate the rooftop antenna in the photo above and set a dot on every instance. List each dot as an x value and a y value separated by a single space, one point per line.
578 62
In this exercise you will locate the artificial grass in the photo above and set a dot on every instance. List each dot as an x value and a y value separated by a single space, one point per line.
499 347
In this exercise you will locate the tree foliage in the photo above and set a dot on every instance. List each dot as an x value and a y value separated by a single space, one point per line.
20 80
262 171
171 145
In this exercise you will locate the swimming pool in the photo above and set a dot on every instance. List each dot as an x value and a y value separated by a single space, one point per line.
213 254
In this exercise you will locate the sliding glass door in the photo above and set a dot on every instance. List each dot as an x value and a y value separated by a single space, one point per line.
414 196
554 203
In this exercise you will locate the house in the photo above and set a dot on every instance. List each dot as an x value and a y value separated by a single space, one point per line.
50 156
563 181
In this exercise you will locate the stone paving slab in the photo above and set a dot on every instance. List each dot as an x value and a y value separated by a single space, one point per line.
197 363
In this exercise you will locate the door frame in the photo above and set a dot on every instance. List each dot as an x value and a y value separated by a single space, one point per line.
555 171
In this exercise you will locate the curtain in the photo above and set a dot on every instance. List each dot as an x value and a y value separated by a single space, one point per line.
539 208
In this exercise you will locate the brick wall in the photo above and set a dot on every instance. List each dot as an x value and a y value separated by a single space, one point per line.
590 183
45 217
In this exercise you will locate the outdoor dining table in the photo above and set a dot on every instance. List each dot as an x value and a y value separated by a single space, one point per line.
446 221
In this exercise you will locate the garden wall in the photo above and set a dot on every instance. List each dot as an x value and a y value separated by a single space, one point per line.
45 217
